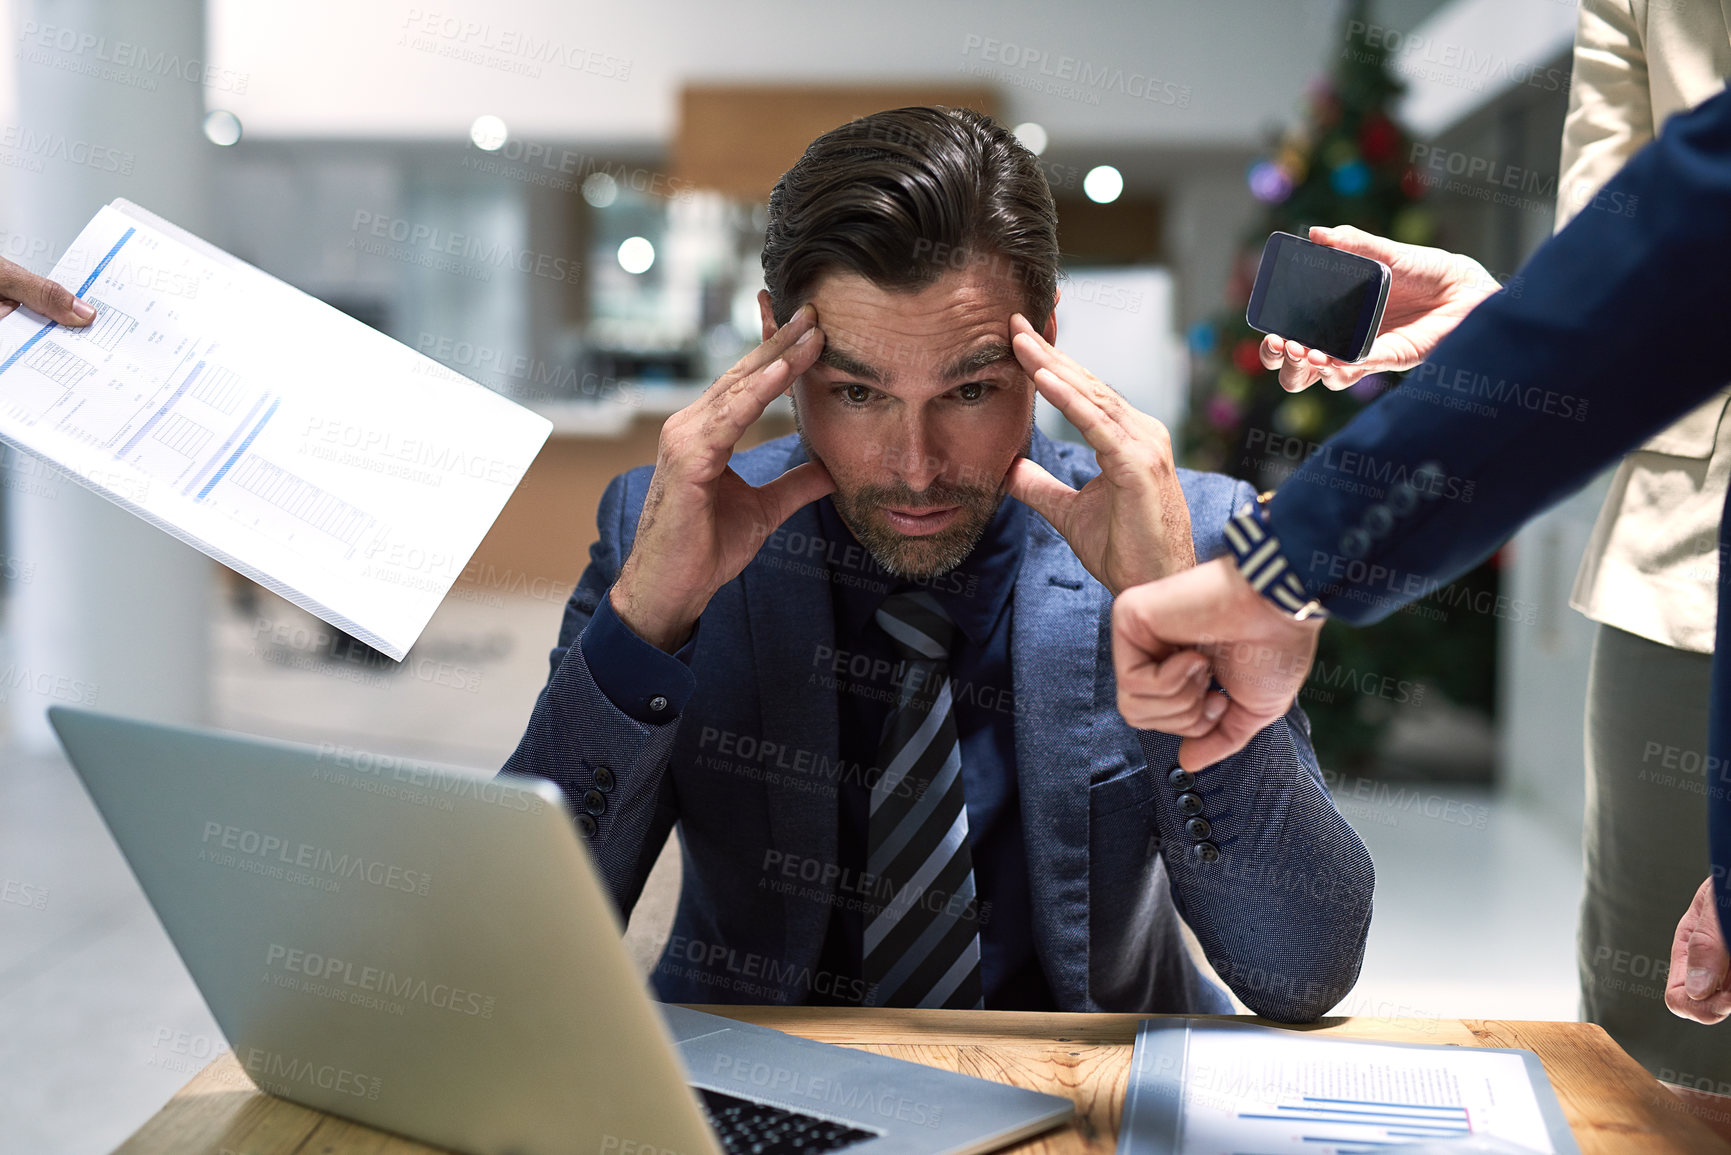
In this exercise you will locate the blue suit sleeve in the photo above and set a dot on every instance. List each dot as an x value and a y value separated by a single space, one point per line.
1284 911
641 679
581 741
1529 397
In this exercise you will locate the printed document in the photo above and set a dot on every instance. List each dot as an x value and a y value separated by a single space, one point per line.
311 453
1205 1087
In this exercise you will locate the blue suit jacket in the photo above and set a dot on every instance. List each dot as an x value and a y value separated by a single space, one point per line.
1614 328
1281 915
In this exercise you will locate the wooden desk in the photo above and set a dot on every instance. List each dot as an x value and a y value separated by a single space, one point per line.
1613 1105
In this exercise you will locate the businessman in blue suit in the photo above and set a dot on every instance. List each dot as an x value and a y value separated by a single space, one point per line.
865 669
1635 288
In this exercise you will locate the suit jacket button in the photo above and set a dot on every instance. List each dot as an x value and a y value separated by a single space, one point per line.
1403 498
1190 802
1205 852
1198 828
1354 543
1378 519
657 704
1180 778
595 802
587 825
604 778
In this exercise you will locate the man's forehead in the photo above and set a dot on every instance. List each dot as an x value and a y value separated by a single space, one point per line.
881 362
957 326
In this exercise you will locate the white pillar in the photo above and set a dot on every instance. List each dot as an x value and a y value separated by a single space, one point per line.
113 610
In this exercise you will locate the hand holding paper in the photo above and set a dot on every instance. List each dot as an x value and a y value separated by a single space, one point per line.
341 469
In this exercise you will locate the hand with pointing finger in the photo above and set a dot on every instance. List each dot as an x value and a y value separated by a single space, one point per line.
702 523
1129 524
19 286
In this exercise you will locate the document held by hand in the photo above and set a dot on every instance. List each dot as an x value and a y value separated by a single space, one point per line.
1211 1087
345 471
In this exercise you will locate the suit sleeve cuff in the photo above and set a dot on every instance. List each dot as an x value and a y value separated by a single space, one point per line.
1256 551
644 682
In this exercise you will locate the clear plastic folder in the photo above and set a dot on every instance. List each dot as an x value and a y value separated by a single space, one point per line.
1217 1087
287 440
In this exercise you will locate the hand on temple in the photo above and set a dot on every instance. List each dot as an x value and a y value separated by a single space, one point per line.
701 522
1130 523
1430 291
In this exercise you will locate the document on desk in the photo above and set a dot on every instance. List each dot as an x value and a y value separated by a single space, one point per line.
1213 1087
287 440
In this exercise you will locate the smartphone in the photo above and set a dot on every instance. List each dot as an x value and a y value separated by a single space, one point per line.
1318 296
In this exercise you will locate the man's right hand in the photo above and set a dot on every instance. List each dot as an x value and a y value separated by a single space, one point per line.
1698 986
19 286
1428 294
701 523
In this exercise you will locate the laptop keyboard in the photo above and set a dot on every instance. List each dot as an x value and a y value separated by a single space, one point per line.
747 1127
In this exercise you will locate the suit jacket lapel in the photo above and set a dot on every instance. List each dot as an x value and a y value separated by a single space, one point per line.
1054 662
789 613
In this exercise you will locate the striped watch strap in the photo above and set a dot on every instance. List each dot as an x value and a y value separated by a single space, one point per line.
1263 565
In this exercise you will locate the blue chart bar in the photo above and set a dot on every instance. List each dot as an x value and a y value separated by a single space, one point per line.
1461 1111
157 416
239 449
1393 1123
82 289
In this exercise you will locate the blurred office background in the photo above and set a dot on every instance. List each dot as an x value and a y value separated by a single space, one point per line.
565 203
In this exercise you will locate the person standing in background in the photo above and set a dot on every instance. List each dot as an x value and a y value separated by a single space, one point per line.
1650 572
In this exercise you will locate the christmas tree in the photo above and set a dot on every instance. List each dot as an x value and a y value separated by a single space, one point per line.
1346 163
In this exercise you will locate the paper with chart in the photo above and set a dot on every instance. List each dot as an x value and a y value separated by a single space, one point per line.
343 470
1204 1087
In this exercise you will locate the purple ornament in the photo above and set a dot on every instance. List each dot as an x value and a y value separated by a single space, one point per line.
1223 412
1269 182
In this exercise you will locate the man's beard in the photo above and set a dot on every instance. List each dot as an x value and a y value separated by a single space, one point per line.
922 557
899 554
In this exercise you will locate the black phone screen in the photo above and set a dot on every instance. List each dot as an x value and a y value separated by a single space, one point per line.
1315 295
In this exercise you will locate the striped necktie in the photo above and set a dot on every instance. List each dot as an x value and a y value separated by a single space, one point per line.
922 948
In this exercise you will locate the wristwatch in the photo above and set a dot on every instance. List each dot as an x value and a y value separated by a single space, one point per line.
1258 557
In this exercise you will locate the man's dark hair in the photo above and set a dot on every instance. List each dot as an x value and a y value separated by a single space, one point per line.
904 196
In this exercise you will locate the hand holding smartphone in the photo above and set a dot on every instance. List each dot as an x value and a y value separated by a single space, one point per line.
1318 296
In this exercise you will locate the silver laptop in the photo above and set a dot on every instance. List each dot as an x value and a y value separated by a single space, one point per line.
431 953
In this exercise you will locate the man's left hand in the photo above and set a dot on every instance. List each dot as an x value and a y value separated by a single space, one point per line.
1130 524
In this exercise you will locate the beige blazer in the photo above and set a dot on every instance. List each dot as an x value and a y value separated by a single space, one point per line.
1651 566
